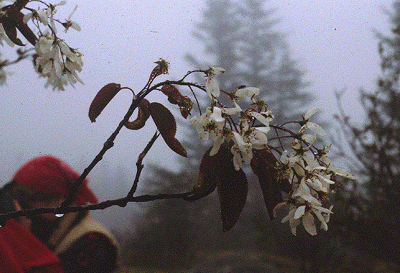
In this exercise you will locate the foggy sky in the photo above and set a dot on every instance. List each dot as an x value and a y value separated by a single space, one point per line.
333 41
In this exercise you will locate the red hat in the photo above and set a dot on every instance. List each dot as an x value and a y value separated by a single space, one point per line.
50 175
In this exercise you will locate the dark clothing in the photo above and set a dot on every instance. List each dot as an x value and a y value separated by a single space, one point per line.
6 200
91 252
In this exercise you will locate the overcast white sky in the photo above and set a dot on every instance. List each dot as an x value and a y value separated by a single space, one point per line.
332 40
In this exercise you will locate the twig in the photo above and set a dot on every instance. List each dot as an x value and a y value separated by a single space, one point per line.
139 164
121 202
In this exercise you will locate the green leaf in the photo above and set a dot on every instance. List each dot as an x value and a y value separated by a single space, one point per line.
102 98
166 124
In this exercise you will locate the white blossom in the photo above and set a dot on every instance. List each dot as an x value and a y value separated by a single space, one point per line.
72 24
210 125
293 222
311 112
212 87
241 150
315 128
58 62
247 92
216 71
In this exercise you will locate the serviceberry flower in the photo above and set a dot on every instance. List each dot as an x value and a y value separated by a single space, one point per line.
247 92
212 87
71 24
58 62
306 172
210 125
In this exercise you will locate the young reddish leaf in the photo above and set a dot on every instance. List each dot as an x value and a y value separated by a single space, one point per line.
185 106
103 97
166 124
11 30
263 165
208 175
27 32
143 116
174 96
232 190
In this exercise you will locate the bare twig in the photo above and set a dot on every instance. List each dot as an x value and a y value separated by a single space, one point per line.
139 164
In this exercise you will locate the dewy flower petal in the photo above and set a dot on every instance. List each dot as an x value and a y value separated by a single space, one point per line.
309 223
217 144
232 111
217 115
216 71
212 88
263 117
237 159
245 148
299 212
247 92
290 215
316 128
200 124
310 112
303 191
344 173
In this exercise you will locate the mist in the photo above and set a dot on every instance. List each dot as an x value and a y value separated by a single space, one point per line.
334 42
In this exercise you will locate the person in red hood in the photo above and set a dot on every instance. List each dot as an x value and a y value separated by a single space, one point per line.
80 242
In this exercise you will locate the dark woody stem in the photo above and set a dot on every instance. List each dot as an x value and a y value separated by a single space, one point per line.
110 141
139 164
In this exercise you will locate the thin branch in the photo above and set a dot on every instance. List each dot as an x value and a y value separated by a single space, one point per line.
121 202
110 141
139 164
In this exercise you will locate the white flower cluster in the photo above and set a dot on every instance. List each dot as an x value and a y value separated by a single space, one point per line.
54 58
311 173
246 137
58 62
46 17
309 170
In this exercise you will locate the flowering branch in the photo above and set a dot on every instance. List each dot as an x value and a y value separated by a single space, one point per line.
296 174
54 58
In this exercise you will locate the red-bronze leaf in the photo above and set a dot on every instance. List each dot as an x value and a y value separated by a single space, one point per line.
185 106
174 96
27 32
263 165
166 124
11 31
143 116
208 175
232 190
103 97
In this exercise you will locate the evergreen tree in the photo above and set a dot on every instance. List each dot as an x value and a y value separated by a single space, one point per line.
240 37
376 223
